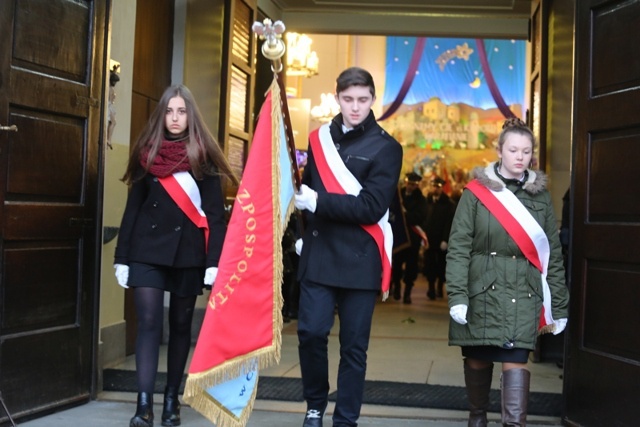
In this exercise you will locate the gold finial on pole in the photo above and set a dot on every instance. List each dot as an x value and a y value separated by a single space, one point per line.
273 47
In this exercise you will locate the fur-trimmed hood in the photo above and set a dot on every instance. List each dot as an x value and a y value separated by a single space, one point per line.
536 181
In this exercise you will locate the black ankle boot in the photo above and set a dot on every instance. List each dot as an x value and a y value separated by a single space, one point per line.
407 293
171 407
144 411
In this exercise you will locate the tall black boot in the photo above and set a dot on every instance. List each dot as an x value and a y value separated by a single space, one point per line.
171 407
407 293
515 397
144 411
478 383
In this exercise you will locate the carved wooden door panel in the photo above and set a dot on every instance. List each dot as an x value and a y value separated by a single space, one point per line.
51 89
602 367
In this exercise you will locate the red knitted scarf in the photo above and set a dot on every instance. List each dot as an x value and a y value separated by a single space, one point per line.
171 158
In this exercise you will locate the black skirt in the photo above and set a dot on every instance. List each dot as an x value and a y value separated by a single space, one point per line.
183 282
490 353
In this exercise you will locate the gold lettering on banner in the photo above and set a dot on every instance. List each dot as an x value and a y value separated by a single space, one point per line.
222 295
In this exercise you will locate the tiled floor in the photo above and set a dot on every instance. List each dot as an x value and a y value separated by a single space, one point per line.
408 344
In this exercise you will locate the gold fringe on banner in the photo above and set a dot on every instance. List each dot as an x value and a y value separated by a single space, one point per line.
195 393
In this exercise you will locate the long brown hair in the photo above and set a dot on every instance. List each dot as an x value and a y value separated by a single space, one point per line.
204 153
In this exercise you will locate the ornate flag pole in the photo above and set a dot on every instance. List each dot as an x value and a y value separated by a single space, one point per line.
273 49
241 330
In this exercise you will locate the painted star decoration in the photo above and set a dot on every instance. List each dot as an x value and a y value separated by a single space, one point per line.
463 51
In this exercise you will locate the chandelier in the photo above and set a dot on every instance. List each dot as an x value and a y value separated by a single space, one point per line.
301 61
327 109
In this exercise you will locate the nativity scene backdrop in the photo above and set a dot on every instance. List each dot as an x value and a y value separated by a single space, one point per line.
445 101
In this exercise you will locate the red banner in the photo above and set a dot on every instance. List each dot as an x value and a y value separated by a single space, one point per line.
241 329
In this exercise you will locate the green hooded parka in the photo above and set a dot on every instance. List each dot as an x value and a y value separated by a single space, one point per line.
487 271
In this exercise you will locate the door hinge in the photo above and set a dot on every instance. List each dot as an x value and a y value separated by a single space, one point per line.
86 100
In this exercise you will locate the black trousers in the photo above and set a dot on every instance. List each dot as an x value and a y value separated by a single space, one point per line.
408 257
435 265
315 320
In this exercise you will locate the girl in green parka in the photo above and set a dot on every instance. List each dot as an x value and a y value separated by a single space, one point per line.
495 293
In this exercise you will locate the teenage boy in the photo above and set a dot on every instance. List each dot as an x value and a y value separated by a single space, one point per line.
349 182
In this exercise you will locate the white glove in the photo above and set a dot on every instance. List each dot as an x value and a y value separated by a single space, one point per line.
443 246
122 274
459 313
210 275
299 246
306 198
559 325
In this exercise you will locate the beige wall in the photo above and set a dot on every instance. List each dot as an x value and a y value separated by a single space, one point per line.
115 192
337 52
370 53
560 101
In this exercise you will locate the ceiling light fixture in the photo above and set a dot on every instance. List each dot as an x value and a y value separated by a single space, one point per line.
327 109
301 60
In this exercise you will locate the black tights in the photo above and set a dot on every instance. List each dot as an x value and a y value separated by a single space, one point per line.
149 304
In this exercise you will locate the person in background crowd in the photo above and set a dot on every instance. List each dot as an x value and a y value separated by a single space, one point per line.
290 288
496 290
175 167
437 225
349 183
415 211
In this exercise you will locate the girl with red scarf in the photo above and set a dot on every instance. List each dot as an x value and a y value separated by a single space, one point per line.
170 238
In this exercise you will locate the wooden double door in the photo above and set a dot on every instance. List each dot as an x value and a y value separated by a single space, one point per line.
52 55
602 366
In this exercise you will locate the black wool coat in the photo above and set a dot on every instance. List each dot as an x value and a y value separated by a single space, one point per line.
154 230
336 250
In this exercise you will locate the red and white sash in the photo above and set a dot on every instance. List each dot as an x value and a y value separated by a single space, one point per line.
183 190
525 231
338 179
423 236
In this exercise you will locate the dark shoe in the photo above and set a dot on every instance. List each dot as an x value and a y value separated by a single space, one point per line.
406 299
144 411
515 396
407 293
397 291
478 384
431 294
313 418
171 407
